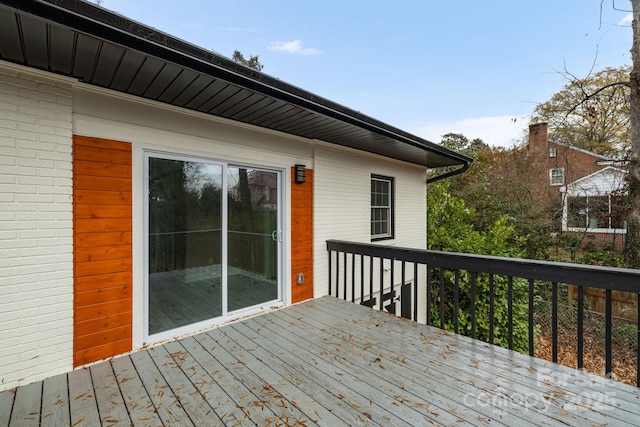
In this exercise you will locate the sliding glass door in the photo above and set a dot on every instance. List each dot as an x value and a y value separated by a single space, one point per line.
213 240
253 237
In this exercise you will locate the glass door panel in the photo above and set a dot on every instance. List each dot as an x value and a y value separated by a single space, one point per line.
253 237
185 243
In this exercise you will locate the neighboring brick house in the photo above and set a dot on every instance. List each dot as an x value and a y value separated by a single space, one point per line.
563 180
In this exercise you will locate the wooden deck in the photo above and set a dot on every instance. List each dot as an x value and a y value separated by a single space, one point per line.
325 362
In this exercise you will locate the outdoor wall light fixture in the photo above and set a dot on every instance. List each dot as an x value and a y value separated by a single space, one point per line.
300 174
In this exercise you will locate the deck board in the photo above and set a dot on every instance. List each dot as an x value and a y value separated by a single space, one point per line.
306 386
108 395
444 363
263 400
164 400
55 402
136 399
244 405
83 406
26 407
429 393
510 371
289 386
6 403
195 358
322 362
298 359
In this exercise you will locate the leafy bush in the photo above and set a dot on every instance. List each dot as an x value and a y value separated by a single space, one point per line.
450 227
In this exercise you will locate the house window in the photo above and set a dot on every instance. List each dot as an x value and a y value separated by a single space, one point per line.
597 212
552 152
556 176
381 207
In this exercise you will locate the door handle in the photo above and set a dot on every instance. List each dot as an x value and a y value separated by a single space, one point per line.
274 235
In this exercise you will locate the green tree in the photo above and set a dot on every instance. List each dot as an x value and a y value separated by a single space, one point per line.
450 227
253 61
498 183
632 243
463 145
591 113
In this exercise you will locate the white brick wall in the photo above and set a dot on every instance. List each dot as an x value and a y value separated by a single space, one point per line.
36 258
342 203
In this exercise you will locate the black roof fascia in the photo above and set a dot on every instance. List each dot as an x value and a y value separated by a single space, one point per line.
100 23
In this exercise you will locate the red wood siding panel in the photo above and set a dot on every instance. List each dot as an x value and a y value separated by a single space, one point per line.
302 237
102 249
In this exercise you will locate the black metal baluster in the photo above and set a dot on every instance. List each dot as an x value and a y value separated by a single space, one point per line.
608 333
371 262
344 283
554 321
392 285
381 305
337 274
492 311
456 302
353 277
441 298
429 273
330 268
361 277
531 325
510 310
474 277
405 295
414 315
580 315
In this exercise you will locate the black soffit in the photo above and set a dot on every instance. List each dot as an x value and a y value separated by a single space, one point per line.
81 40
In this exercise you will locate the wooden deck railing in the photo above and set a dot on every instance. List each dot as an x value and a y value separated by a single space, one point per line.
499 300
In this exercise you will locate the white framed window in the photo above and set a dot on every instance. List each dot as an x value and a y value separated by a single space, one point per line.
381 207
556 176
552 152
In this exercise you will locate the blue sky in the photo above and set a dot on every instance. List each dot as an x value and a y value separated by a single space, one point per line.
427 67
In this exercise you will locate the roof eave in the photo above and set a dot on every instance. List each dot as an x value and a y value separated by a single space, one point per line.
105 25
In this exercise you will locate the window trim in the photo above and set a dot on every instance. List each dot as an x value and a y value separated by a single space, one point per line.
391 208
553 152
551 180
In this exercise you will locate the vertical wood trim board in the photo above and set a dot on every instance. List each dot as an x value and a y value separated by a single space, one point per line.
102 233
302 237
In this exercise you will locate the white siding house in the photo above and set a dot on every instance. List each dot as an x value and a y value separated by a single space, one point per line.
595 203
125 213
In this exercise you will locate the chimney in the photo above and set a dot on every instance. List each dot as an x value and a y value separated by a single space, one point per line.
538 136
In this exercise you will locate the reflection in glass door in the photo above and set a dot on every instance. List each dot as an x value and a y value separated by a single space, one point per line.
253 237
190 224
185 243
